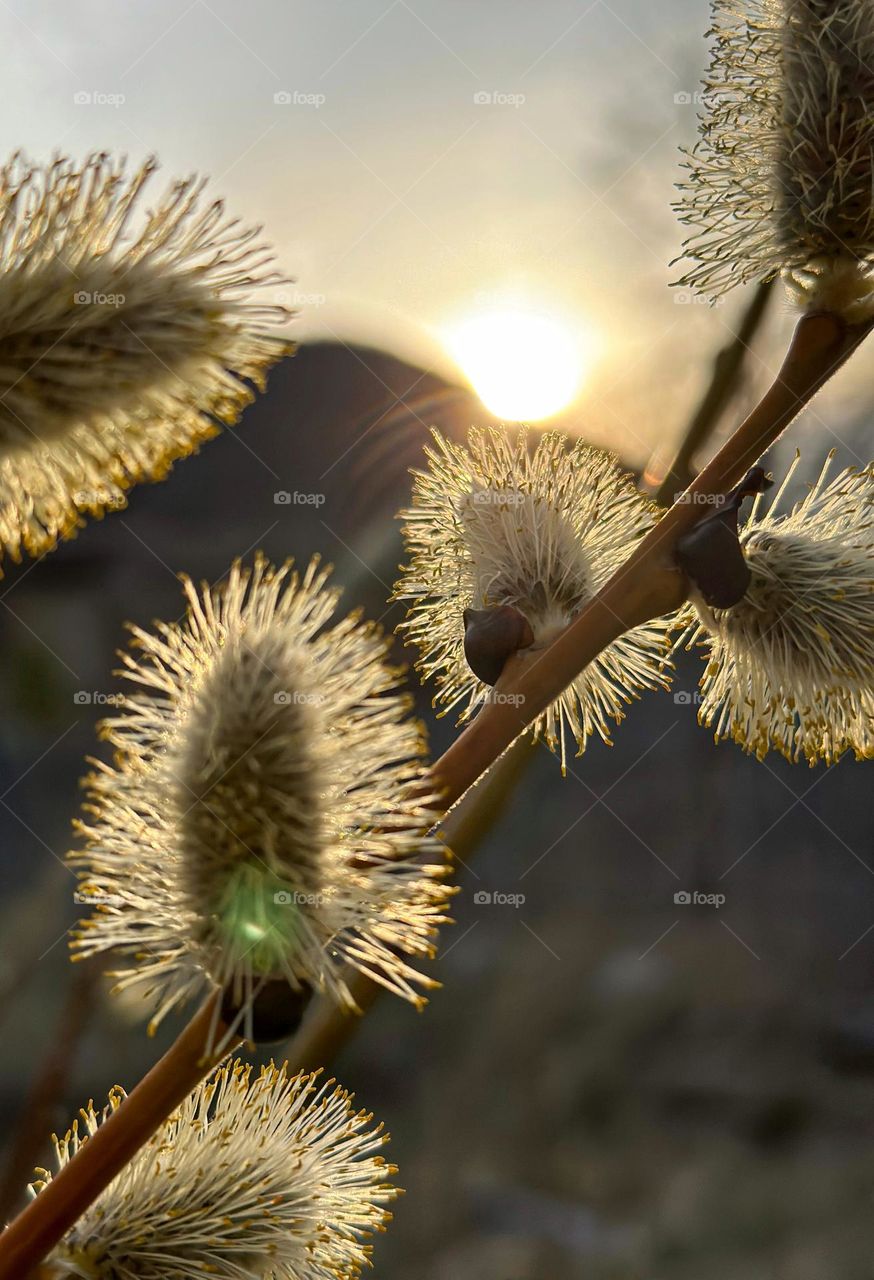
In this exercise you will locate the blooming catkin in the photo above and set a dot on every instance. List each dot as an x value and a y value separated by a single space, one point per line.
266 815
253 1178
493 524
121 347
782 178
791 667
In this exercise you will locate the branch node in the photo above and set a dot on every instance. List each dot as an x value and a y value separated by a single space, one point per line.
710 553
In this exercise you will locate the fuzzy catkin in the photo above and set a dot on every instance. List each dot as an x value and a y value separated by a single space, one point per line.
782 178
126 336
491 524
266 815
791 667
261 1176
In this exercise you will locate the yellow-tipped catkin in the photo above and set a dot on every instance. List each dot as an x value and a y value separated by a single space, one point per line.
126 336
782 178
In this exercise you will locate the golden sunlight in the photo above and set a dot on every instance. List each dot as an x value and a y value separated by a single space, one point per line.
523 364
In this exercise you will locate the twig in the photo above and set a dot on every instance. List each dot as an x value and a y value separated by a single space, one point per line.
160 1091
727 366
38 1228
327 1028
647 585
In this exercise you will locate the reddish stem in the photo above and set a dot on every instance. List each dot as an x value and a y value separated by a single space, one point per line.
649 583
39 1227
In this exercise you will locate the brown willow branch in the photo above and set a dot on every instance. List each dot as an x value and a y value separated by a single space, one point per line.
727 366
182 1068
647 585
38 1228
327 1028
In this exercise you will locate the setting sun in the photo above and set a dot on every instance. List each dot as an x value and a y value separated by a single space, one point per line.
524 365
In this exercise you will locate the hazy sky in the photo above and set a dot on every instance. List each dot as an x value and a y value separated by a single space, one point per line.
398 200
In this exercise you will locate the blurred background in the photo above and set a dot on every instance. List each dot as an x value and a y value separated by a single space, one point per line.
475 202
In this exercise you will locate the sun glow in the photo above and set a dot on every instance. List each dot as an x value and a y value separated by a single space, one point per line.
523 364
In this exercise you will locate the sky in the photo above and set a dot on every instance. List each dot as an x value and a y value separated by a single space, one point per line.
416 162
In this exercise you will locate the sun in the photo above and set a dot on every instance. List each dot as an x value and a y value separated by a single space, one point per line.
524 365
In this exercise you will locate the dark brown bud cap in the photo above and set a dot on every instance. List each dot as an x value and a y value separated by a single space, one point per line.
493 635
710 553
277 1011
